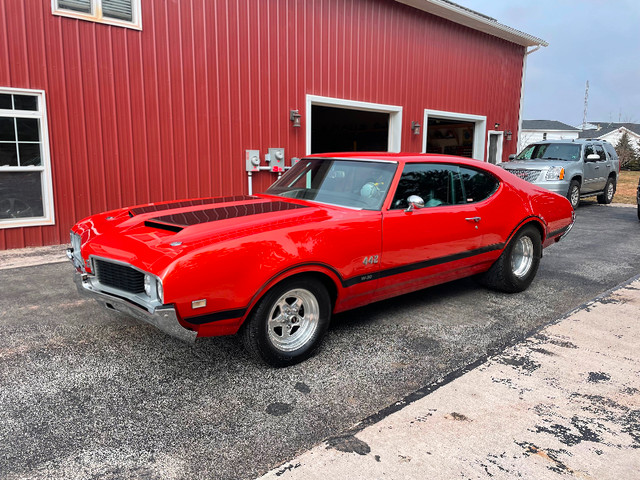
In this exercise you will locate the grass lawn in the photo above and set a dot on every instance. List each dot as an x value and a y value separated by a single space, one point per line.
627 187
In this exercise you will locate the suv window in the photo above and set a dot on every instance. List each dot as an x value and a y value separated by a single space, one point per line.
600 151
610 150
588 150
569 152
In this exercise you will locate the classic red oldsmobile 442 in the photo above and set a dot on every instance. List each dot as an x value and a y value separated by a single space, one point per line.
335 232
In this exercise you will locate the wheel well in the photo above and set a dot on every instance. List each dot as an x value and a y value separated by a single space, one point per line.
578 178
612 175
319 276
537 225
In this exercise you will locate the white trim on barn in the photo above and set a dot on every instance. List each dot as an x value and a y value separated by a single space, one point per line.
480 127
394 111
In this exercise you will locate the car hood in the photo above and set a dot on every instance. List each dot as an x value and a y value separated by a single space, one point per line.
533 164
151 236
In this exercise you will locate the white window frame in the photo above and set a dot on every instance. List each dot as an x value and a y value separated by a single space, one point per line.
479 130
499 150
394 111
48 217
96 14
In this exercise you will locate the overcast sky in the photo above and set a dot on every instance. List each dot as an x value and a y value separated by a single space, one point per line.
594 40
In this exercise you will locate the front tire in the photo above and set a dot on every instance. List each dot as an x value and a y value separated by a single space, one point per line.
606 197
516 268
289 322
573 195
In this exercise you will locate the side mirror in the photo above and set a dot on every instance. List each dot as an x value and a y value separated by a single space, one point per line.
593 157
512 157
415 202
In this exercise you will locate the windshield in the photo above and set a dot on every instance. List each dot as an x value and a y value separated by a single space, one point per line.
567 152
348 183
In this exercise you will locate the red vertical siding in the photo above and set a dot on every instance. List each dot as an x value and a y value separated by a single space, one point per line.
167 112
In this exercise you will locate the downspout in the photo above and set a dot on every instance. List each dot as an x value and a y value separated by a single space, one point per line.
524 71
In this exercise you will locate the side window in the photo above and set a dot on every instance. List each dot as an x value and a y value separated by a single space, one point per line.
600 151
436 184
122 13
588 150
477 184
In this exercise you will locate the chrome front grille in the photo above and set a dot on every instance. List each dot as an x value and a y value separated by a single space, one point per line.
118 276
525 174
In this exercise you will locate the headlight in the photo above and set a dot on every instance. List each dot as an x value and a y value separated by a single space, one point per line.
554 173
148 284
160 291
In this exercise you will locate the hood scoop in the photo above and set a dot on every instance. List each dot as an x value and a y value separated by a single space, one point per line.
178 221
190 203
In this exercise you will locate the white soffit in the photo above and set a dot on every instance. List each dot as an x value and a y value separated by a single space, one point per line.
477 21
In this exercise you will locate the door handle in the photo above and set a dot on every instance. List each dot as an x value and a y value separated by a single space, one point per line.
473 219
597 167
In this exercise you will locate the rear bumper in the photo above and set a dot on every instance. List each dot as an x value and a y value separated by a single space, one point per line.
164 318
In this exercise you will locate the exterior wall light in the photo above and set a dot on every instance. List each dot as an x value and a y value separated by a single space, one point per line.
496 126
294 116
415 128
508 135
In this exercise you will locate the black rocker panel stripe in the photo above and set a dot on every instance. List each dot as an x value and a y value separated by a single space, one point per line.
419 265
187 219
216 316
191 203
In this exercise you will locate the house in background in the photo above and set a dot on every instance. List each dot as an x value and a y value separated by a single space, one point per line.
611 132
113 103
538 130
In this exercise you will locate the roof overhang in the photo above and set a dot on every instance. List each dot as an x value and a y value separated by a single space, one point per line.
477 21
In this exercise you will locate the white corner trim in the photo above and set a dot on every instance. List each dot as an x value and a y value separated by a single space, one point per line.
479 130
394 111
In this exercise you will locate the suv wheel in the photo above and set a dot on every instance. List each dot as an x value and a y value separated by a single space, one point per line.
606 197
574 193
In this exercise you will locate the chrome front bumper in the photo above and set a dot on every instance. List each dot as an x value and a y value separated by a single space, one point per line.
164 318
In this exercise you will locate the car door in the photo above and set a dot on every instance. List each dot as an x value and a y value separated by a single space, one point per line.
590 180
601 170
432 244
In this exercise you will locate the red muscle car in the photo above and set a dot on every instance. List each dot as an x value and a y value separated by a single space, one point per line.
334 233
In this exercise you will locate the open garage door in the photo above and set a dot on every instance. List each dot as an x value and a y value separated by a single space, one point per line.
453 133
337 125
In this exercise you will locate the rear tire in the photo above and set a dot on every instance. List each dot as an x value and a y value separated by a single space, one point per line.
573 195
289 322
516 268
606 197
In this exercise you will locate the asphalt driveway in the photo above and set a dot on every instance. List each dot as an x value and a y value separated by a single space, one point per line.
85 392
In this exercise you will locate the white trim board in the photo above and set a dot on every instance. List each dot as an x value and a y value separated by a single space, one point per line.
394 111
479 130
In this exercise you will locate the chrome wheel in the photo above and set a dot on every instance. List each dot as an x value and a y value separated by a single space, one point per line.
610 191
293 319
575 196
522 257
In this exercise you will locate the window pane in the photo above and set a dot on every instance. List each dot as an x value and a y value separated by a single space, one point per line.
8 155
76 5
435 184
120 9
7 129
20 195
478 185
29 154
25 102
28 129
5 101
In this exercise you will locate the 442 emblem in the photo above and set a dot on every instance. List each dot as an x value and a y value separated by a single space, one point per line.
370 260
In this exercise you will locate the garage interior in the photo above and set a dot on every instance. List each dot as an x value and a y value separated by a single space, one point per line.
335 129
450 137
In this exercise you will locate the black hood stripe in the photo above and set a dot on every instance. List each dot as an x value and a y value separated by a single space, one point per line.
187 219
191 203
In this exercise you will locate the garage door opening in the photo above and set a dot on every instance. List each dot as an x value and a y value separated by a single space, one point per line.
450 137
346 130
451 133
340 125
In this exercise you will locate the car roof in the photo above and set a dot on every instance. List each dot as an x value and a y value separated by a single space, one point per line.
395 157
577 141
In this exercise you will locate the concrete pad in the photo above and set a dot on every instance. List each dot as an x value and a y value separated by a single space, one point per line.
565 402
29 257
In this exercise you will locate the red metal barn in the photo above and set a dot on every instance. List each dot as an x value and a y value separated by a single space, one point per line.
108 103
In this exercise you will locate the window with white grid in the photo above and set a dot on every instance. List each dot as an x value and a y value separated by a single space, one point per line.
123 13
